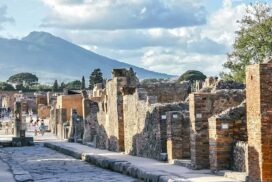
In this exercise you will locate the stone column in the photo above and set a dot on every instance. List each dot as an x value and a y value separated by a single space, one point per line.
259 122
18 119
174 135
86 106
200 111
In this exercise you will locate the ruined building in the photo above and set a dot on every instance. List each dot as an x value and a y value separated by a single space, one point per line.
222 126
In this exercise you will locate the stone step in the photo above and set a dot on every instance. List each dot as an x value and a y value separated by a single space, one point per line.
182 162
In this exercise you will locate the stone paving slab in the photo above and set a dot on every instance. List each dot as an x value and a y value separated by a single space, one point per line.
5 173
137 167
41 164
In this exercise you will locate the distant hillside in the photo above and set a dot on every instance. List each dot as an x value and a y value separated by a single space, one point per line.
51 58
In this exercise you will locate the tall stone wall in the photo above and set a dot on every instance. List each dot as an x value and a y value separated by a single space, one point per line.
226 129
259 121
202 106
114 113
106 117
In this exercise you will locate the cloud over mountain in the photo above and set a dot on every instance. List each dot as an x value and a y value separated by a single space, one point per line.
53 58
124 14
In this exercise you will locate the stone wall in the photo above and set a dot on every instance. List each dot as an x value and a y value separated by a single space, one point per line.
240 156
106 122
146 124
168 92
202 107
225 129
259 121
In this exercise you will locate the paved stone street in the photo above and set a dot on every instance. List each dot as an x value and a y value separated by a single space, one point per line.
46 165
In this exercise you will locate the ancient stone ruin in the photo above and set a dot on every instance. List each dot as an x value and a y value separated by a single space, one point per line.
219 126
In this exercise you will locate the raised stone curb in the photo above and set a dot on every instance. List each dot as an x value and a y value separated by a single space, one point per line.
120 166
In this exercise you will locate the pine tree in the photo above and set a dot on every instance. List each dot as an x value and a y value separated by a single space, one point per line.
83 83
55 87
95 77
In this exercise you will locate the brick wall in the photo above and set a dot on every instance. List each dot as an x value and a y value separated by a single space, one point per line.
178 135
225 129
259 122
202 106
70 102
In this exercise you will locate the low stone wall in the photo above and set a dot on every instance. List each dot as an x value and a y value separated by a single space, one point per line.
240 156
145 124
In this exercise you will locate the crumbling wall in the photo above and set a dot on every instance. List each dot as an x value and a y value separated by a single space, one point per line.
106 118
202 107
146 124
226 129
240 156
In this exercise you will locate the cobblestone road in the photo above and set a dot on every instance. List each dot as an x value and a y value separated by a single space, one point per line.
46 165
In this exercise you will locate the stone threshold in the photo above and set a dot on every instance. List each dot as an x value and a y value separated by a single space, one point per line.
116 165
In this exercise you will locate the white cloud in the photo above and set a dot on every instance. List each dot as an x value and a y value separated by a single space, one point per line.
124 14
3 16
222 24
168 50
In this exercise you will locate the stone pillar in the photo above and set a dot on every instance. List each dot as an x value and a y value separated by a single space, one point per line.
174 135
18 119
199 114
259 122
86 106
75 127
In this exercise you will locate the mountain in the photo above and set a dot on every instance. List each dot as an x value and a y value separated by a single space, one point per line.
50 58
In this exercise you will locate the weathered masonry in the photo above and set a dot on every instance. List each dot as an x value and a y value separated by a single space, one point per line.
202 107
228 140
222 126
259 122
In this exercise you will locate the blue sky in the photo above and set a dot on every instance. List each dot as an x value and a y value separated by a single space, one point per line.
169 36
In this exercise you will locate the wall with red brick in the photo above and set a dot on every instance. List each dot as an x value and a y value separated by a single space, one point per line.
259 122
202 106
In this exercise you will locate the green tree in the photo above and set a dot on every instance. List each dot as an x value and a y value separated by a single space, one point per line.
55 86
74 85
95 77
26 78
62 86
253 42
83 83
192 75
6 87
